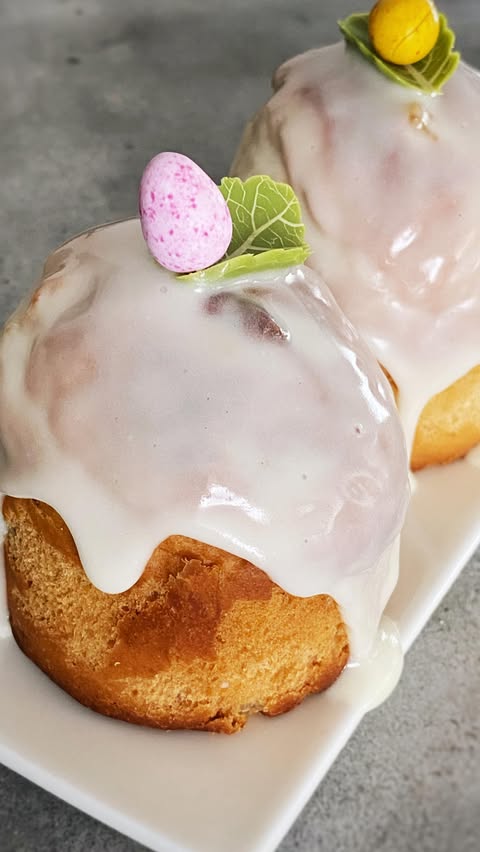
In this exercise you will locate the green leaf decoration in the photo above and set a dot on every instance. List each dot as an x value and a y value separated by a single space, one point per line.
268 232
246 264
266 215
429 75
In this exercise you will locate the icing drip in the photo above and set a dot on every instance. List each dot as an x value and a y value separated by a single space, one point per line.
389 183
370 682
474 457
250 417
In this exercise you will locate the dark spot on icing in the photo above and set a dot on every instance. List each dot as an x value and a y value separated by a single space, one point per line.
73 60
56 262
255 320
420 118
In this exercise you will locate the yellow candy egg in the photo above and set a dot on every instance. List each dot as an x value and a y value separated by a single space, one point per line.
404 31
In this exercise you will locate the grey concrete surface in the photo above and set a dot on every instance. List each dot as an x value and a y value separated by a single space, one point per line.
89 90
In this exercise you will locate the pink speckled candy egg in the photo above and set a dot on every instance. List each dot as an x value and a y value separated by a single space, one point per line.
185 218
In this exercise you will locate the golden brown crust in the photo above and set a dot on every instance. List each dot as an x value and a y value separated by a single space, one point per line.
449 425
203 640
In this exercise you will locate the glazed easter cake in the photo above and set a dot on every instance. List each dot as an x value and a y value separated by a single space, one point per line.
379 136
205 470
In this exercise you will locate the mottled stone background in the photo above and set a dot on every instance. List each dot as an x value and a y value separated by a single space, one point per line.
89 91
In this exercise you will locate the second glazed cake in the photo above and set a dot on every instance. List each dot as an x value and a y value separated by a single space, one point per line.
389 182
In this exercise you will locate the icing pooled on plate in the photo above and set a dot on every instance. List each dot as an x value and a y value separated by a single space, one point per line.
389 183
248 415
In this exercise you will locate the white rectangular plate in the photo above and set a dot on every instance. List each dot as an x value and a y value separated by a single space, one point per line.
207 793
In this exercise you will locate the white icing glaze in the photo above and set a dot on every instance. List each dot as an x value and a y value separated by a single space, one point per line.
389 183
367 684
252 418
5 630
474 457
